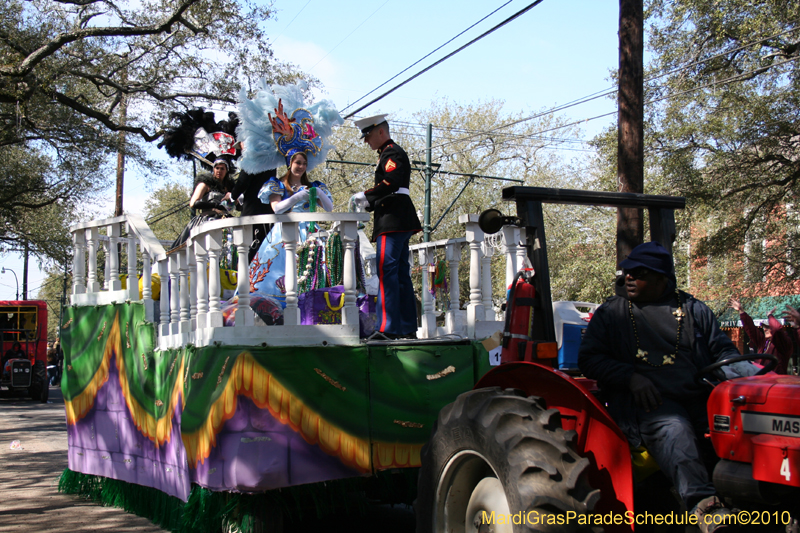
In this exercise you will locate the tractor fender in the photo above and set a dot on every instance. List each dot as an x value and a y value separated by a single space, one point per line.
599 438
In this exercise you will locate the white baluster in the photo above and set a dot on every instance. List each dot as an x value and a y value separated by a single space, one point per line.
192 285
185 310
214 245
291 315
242 237
350 310
475 312
510 240
164 298
133 278
486 280
174 295
453 322
428 314
201 274
522 250
114 284
92 247
107 263
79 262
147 286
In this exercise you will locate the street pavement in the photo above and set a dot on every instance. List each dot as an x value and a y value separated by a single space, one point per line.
29 497
30 501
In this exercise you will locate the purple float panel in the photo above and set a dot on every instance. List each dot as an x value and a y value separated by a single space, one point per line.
107 443
256 452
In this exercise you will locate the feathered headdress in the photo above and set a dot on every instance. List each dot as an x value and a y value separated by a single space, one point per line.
271 141
198 135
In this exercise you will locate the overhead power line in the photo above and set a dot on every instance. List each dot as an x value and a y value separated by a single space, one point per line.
738 77
290 23
613 90
167 212
448 56
348 35
721 83
426 56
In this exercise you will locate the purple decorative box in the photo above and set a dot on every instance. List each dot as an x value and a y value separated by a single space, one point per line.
324 306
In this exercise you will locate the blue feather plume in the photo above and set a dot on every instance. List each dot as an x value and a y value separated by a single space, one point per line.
262 146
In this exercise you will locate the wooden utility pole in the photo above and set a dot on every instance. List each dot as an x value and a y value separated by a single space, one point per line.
630 143
123 119
25 272
121 157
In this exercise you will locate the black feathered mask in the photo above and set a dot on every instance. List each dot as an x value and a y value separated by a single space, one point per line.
197 135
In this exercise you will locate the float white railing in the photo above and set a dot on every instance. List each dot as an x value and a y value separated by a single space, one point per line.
189 309
87 241
480 317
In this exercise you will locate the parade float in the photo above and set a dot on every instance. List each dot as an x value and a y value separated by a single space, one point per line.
206 387
175 397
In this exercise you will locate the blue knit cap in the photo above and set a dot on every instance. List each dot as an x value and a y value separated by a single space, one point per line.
650 255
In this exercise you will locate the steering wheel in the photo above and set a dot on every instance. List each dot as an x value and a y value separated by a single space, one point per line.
773 362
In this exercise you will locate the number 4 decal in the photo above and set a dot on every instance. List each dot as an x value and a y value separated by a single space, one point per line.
785 472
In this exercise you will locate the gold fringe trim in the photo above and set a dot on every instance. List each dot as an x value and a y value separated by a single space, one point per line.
387 455
159 431
81 404
250 379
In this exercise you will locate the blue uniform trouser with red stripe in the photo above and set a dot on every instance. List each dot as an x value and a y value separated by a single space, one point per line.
397 308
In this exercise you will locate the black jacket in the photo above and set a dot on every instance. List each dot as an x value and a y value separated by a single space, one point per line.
249 185
608 352
393 212
608 349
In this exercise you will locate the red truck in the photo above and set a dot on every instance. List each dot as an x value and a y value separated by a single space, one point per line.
23 341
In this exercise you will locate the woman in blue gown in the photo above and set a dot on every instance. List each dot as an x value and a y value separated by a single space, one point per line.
289 193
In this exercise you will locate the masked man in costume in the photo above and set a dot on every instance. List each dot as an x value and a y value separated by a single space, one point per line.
644 350
395 221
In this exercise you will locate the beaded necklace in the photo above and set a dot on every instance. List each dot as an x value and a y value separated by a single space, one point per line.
305 254
669 359
334 257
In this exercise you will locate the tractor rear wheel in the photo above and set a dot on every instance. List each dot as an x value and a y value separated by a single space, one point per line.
40 386
498 451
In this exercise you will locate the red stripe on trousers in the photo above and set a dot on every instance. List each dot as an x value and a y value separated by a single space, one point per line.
380 278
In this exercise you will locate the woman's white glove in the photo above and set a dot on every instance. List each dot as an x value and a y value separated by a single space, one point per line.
323 200
298 197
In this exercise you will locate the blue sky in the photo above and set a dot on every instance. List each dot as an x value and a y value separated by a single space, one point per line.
559 51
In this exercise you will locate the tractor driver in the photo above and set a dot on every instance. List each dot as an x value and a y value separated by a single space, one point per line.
644 350
15 352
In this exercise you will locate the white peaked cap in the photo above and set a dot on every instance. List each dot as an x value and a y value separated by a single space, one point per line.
366 124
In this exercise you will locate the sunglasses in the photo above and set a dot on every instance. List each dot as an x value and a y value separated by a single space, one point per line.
637 273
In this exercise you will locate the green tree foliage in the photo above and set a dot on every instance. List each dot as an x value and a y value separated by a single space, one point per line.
83 80
167 210
36 201
51 291
484 139
725 107
76 62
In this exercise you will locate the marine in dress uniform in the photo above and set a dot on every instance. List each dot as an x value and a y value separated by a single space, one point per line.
395 221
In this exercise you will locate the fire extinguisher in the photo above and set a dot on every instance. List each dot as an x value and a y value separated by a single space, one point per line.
519 315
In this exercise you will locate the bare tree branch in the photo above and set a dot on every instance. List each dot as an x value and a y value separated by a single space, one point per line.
55 44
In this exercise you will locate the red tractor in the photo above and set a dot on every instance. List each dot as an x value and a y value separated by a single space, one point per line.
23 341
532 448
